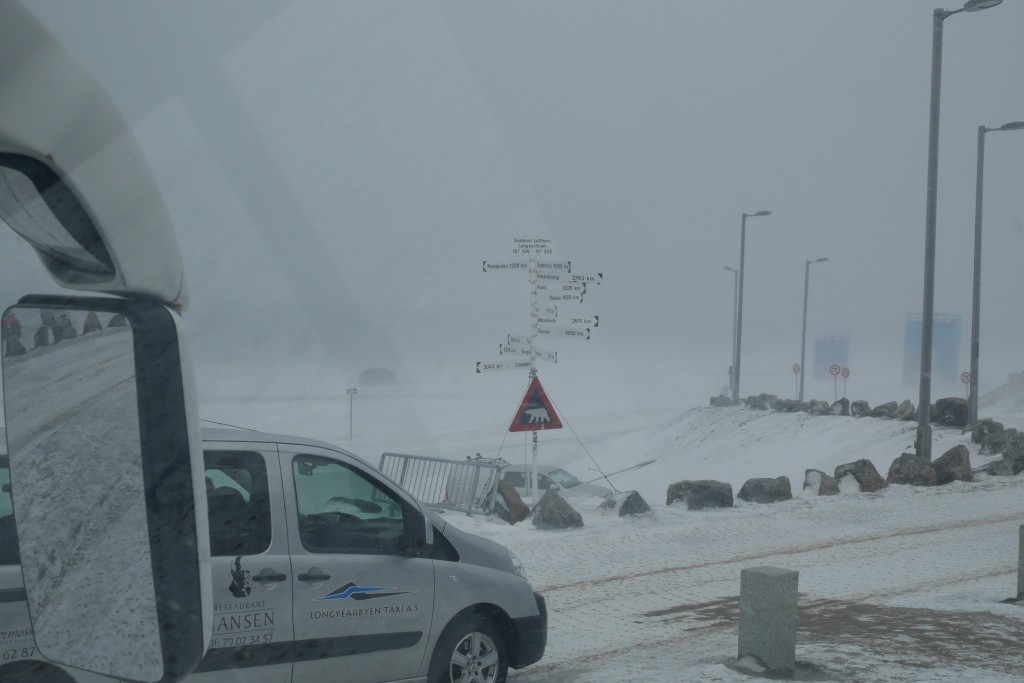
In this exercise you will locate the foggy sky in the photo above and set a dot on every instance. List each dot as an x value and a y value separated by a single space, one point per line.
338 171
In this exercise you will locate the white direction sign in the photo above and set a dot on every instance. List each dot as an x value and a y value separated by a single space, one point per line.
563 298
499 365
582 321
513 350
557 266
561 331
505 266
531 246
550 277
549 311
595 279
550 356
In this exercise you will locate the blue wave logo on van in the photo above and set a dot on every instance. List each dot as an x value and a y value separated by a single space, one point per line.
351 590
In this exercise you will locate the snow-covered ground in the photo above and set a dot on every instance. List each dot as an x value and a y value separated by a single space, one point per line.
902 585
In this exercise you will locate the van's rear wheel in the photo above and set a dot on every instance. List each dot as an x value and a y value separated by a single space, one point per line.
469 651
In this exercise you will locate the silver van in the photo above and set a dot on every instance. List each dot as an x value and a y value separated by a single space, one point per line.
323 570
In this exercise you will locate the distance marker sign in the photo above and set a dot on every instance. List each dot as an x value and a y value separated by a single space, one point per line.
535 412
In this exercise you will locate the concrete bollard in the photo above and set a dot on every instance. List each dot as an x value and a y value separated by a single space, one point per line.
768 617
1020 564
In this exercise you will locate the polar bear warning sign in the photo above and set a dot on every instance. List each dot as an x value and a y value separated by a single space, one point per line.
536 412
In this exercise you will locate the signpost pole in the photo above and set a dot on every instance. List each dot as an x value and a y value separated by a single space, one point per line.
351 402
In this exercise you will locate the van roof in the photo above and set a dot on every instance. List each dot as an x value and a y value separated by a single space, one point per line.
212 435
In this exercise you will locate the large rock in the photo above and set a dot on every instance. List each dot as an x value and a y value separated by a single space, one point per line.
92 323
860 409
117 320
701 494
64 329
864 473
1014 453
788 405
999 468
951 412
911 469
887 410
997 441
817 483
14 347
762 401
552 512
954 465
764 490
627 503
818 408
840 407
42 336
906 411
984 428
511 507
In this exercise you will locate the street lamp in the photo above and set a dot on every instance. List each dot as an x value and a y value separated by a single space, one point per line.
803 332
739 303
972 400
924 429
735 291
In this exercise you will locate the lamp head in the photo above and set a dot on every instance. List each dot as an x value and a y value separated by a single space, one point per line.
1012 125
762 213
978 5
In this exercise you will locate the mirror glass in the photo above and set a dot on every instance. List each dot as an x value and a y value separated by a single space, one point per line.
77 485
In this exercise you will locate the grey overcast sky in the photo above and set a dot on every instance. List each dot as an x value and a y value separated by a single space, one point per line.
338 171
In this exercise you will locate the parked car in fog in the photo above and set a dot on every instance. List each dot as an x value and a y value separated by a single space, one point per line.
550 477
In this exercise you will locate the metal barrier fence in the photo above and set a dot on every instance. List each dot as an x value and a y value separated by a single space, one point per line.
468 486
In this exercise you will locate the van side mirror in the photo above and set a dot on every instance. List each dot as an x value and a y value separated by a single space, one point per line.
417 534
103 441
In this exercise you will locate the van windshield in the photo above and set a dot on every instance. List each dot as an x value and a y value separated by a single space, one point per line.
563 478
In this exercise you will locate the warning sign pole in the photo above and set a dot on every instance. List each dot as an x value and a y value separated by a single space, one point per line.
535 413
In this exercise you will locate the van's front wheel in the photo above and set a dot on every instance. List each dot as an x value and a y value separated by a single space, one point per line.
469 651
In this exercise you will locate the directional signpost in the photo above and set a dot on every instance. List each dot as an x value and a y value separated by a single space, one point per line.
966 379
834 370
554 289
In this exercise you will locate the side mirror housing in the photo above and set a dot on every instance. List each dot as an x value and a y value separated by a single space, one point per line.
105 454
417 534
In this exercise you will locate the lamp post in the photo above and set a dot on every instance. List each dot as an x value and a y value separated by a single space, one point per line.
803 332
735 292
924 430
972 399
739 304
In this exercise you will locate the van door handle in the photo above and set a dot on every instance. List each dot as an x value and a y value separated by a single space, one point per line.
268 576
314 578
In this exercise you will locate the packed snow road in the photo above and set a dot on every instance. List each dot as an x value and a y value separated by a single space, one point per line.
655 598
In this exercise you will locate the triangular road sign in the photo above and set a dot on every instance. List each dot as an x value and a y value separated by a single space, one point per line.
536 412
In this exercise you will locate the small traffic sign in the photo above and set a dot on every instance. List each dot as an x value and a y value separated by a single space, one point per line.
834 370
846 372
965 378
535 412
796 368
350 392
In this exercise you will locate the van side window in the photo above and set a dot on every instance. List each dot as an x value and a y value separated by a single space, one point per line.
8 534
515 478
237 495
341 510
